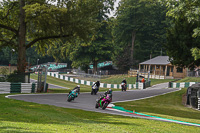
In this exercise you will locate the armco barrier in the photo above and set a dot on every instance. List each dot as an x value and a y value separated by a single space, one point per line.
181 85
198 103
4 87
7 87
138 85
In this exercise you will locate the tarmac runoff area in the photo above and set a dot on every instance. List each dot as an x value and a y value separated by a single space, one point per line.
86 101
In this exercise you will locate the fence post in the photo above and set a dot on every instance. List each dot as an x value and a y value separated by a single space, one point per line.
33 88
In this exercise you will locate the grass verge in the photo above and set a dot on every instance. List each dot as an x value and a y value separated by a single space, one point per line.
18 116
167 106
85 88
189 79
67 84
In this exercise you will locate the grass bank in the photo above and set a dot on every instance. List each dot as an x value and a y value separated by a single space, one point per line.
69 85
18 116
167 106
189 79
111 80
130 80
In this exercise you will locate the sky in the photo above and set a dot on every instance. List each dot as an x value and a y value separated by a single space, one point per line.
115 7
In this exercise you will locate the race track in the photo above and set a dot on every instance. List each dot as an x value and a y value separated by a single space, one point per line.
86 101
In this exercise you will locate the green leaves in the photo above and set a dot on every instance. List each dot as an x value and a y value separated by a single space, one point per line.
195 53
139 26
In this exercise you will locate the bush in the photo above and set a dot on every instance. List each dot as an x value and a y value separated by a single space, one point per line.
4 71
15 77
2 79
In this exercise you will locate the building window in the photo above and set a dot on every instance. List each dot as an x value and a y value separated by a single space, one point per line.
172 68
179 70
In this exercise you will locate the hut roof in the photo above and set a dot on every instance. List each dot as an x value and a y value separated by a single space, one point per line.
159 60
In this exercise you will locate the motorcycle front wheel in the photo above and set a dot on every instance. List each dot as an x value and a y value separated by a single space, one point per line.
69 99
105 105
97 105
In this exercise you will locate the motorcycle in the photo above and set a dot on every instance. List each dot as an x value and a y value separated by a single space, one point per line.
103 103
123 85
73 94
94 90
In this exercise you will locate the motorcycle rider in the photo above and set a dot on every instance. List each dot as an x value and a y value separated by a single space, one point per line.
97 85
77 89
105 94
124 81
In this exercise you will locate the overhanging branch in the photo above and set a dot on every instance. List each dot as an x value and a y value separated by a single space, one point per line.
45 38
8 28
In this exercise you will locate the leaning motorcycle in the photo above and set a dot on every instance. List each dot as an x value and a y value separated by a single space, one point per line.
94 90
123 85
103 103
73 94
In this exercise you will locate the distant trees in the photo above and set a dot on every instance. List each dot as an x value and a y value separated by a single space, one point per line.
96 49
139 31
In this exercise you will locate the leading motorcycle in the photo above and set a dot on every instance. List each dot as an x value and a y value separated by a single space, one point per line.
73 94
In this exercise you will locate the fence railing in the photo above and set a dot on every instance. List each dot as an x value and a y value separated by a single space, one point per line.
138 85
193 73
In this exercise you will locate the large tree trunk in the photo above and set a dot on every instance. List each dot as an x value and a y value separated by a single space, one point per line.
132 46
21 64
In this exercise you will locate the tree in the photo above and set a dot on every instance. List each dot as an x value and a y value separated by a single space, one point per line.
189 9
140 26
182 35
25 23
98 48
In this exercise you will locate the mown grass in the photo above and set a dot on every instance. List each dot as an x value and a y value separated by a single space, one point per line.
130 80
167 106
189 79
18 116
111 80
69 85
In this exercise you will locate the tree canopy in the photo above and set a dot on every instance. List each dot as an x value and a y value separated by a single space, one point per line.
139 31
183 34
25 23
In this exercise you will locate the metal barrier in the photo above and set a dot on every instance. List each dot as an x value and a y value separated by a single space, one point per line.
198 103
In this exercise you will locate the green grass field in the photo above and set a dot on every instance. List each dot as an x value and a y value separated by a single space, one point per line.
18 116
111 80
189 79
130 80
67 84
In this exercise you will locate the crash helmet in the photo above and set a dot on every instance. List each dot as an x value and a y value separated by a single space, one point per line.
78 85
110 91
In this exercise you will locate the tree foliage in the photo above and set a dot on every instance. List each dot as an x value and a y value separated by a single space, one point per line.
98 48
182 35
140 26
24 23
